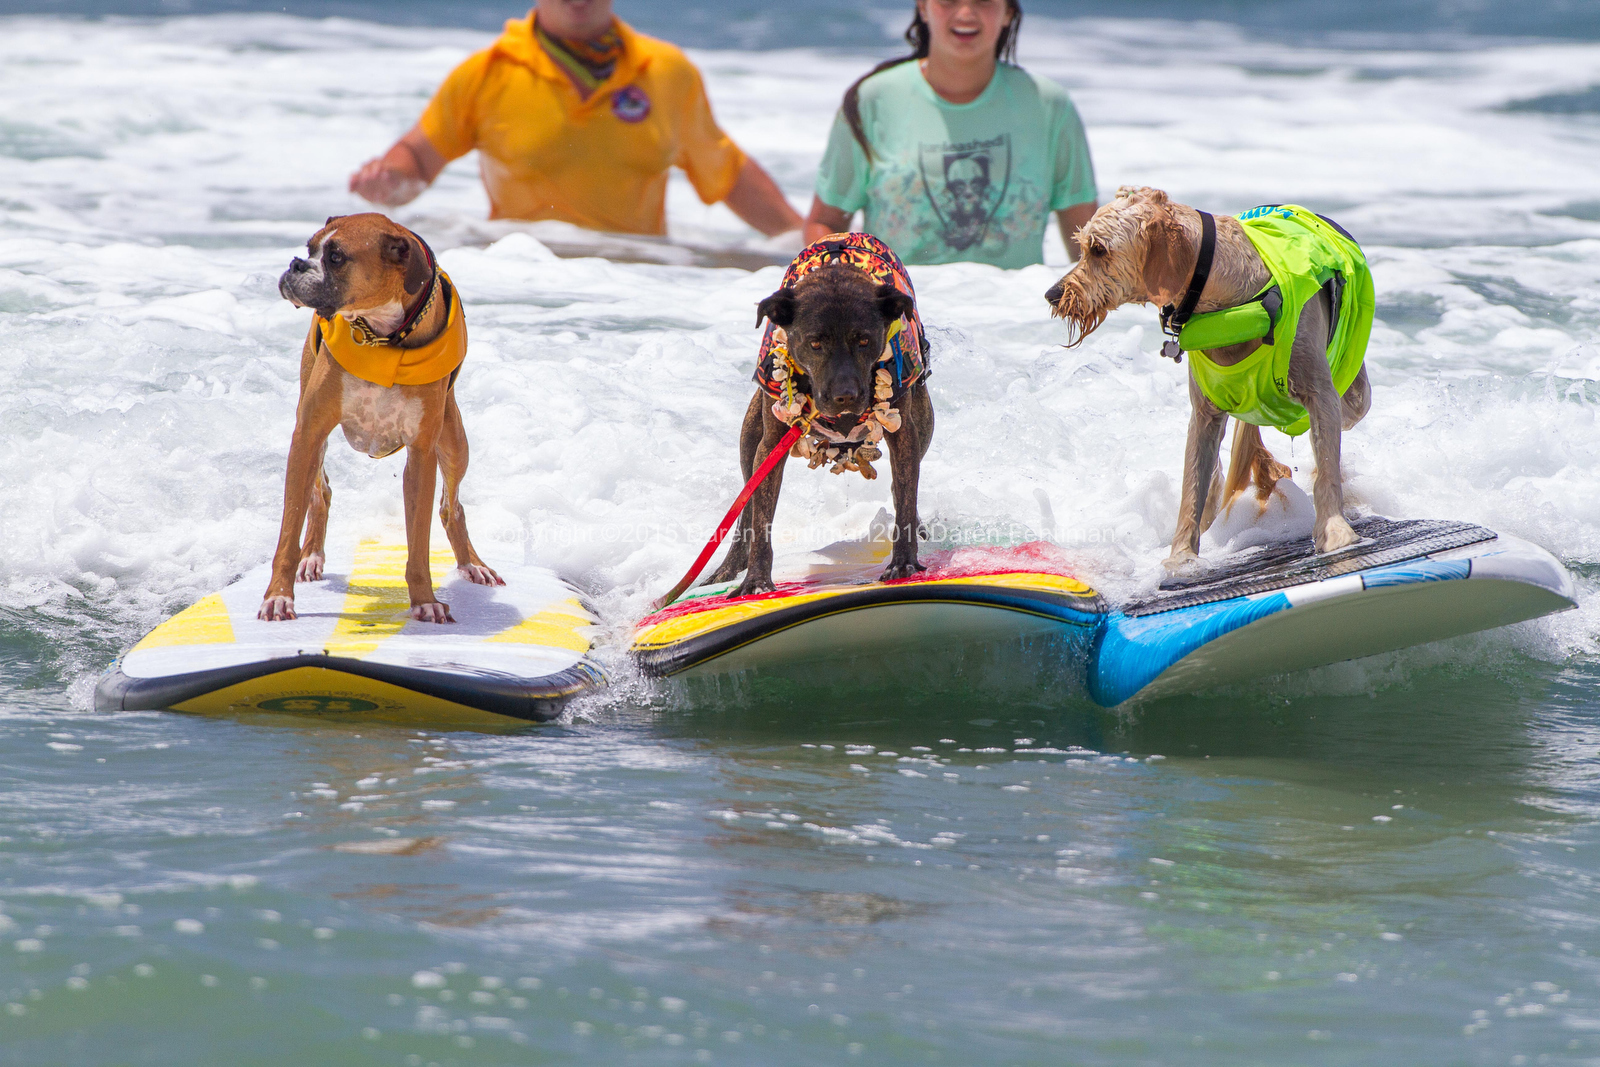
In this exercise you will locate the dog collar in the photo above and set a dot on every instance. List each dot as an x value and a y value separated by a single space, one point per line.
1172 319
416 314
375 360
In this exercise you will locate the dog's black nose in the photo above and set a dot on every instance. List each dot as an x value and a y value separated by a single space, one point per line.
299 266
1053 294
847 398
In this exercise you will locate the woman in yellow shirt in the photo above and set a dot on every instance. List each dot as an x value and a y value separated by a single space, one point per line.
576 117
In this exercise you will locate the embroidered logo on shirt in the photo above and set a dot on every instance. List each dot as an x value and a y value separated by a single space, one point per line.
630 104
965 183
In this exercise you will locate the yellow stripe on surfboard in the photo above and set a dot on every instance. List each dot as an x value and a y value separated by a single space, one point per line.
377 604
719 613
556 627
204 622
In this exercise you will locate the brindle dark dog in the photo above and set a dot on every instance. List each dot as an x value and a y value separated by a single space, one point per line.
837 319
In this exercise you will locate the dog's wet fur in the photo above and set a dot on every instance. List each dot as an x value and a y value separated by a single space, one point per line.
837 319
1142 248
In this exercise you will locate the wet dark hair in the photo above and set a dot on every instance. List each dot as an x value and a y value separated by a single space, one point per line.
917 34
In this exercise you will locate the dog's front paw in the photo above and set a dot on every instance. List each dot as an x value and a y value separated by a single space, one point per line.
310 569
752 585
903 569
1336 534
434 611
1180 560
478 574
276 609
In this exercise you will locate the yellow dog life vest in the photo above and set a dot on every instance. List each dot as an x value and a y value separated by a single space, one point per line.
372 358
1303 253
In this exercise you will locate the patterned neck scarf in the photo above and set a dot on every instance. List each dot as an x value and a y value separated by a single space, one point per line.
587 63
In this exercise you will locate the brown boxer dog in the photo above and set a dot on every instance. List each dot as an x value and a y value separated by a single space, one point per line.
381 361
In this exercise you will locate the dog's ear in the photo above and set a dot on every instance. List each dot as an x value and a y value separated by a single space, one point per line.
777 309
1169 254
892 303
406 250
332 219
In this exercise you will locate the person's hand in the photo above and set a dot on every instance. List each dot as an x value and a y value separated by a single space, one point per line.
381 183
825 219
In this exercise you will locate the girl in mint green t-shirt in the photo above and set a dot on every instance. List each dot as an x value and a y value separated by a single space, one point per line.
954 152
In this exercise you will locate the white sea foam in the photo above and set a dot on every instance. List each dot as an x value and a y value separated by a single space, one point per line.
158 176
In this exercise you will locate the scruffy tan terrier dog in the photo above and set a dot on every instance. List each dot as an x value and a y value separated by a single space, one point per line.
1144 248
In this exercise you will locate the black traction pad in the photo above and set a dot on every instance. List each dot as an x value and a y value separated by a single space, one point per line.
1277 566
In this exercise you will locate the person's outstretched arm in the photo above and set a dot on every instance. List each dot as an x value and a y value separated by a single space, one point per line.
756 199
400 174
825 219
1071 220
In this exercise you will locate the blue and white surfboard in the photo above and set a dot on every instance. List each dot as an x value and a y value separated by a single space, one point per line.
1281 608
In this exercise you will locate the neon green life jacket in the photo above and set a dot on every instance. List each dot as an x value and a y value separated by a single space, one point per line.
1303 252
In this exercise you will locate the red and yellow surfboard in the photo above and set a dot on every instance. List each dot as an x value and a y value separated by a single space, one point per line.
832 602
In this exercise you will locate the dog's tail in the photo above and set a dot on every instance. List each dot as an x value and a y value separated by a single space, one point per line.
1251 462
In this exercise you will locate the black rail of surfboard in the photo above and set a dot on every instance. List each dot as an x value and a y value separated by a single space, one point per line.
534 700
1282 564
1084 611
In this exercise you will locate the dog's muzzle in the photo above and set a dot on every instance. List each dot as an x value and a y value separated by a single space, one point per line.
1054 294
292 281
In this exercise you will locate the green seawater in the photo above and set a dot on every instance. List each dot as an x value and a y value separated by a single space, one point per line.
1405 877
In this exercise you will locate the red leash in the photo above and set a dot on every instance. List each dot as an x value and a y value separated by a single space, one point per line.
776 456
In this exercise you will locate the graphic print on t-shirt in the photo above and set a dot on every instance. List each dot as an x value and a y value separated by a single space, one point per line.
965 183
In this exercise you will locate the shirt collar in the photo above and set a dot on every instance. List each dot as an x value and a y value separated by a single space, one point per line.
518 43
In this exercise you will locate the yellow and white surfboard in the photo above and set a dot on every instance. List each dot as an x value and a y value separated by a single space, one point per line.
515 652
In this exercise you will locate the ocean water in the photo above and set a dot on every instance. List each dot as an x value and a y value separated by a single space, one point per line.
855 24
1389 861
